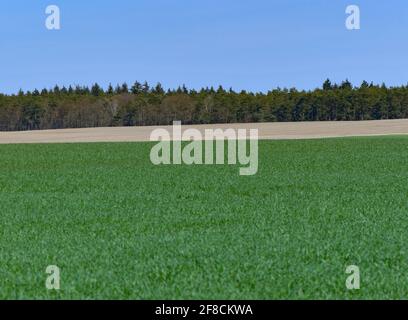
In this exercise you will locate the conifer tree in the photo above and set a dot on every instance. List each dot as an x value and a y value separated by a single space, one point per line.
136 88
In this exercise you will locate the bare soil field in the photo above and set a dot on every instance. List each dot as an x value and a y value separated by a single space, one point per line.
291 130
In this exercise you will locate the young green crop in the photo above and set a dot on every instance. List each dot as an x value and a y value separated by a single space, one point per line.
119 227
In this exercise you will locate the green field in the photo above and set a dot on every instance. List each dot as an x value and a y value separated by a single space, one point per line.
121 228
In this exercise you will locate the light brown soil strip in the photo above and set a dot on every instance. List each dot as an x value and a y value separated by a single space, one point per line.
293 130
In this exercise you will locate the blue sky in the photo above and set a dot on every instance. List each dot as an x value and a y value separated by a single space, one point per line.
251 44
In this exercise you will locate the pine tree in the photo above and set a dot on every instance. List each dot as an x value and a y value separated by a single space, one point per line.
110 89
136 88
327 85
158 89
124 88
346 85
145 87
364 85
96 90
220 90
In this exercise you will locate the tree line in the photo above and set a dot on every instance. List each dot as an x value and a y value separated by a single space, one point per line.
142 105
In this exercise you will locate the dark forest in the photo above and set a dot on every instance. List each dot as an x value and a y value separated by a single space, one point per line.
141 104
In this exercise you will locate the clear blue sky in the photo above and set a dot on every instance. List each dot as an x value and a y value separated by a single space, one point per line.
244 44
